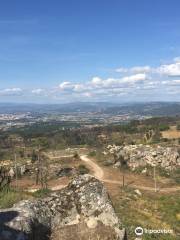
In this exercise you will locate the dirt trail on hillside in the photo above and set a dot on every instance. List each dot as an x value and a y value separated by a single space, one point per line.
97 170
99 173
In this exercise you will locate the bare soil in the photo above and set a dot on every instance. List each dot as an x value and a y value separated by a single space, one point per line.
172 133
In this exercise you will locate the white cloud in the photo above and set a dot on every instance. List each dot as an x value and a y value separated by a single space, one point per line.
97 81
140 77
101 83
141 69
170 70
118 82
11 91
87 94
135 80
177 59
171 82
135 69
176 82
66 86
79 88
122 70
37 91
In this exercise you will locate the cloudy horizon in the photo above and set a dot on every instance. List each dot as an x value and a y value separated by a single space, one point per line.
115 52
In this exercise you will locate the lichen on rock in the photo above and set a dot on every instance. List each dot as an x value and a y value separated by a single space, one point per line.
84 202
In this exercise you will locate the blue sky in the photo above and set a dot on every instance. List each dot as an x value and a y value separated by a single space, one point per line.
99 50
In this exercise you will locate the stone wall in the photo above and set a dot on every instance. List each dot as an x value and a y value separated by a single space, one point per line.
143 155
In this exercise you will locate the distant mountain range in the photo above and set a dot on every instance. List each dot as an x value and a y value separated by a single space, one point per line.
153 109
55 108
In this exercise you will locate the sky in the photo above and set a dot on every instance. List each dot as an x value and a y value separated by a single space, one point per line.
97 50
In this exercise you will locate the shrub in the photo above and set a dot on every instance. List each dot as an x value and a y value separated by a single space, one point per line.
76 156
42 192
163 127
4 178
82 169
92 154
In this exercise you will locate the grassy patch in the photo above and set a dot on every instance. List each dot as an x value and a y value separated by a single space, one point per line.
175 175
92 154
42 193
10 196
150 212
170 208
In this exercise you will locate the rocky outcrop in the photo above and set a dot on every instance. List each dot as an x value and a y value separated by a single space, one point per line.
83 205
142 155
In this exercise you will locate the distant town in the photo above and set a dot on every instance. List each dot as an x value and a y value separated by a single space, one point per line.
8 121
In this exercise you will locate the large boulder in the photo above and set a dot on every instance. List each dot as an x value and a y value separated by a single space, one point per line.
82 210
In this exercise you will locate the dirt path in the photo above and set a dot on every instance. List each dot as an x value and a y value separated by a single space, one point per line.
98 172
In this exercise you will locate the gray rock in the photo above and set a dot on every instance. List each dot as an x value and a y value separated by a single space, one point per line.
137 191
84 200
143 155
117 164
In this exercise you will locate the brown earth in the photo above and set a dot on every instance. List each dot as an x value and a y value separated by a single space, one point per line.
115 176
108 175
172 133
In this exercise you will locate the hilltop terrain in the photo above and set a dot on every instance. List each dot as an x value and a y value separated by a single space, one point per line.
137 161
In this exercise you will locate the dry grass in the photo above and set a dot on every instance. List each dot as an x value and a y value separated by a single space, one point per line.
10 196
172 133
151 211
